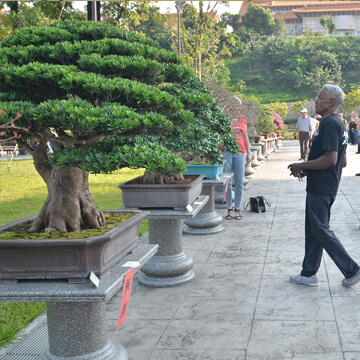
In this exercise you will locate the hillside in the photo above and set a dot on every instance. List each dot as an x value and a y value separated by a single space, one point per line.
295 69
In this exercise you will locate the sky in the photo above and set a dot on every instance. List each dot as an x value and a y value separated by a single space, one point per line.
233 8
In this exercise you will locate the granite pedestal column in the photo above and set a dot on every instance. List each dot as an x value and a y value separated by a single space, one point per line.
208 221
171 266
76 313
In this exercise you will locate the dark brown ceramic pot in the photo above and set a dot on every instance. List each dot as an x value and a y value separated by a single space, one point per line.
71 259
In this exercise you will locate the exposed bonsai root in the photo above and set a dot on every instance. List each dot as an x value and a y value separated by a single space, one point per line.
69 206
157 178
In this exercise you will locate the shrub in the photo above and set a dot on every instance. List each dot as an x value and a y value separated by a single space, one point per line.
106 99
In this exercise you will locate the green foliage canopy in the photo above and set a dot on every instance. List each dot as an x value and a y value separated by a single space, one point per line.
112 98
327 21
259 19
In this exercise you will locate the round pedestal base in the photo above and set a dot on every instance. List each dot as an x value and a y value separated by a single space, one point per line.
164 271
204 224
165 281
111 351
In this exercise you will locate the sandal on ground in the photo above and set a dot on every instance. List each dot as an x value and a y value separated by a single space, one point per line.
229 214
237 214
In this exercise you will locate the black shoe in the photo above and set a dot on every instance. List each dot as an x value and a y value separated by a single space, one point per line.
358 152
358 174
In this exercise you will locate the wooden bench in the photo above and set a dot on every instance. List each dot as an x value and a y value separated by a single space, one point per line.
9 150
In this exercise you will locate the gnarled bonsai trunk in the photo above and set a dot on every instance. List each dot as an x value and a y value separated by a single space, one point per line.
157 178
69 205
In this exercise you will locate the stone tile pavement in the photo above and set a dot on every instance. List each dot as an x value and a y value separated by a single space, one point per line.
241 305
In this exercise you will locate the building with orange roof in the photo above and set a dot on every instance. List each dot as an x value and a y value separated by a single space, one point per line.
305 15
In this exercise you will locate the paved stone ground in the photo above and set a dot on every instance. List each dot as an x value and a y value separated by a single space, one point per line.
241 305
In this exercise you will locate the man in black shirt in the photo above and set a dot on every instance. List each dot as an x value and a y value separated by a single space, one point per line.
323 170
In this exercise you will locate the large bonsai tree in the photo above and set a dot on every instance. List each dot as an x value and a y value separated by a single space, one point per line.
105 99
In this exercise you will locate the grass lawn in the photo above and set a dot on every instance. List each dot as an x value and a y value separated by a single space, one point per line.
22 193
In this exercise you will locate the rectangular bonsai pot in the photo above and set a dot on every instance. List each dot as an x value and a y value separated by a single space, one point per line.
147 196
71 259
209 171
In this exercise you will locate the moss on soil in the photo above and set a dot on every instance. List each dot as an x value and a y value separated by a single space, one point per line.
20 231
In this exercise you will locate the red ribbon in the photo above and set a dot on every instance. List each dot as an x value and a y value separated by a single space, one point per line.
226 189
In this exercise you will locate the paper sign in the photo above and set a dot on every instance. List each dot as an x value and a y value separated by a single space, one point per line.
125 297
226 189
94 279
133 264
189 208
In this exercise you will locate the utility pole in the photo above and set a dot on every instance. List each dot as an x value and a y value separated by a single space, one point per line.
179 5
93 8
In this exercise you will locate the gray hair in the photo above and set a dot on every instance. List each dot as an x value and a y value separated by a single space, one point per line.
335 92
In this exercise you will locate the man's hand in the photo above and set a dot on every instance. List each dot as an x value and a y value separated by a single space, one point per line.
297 168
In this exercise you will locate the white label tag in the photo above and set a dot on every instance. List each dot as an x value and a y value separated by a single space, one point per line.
94 279
131 264
189 208
217 178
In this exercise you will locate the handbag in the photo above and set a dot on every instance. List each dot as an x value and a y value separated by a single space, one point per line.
257 204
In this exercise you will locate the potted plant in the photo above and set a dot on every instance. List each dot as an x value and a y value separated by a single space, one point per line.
105 99
264 123
278 122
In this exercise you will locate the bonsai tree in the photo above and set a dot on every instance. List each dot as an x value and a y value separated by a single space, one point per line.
265 122
104 98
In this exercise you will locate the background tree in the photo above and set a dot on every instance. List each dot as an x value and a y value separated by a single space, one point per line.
106 99
59 10
351 102
280 107
232 20
154 27
124 13
35 13
259 19
203 49
280 27
328 23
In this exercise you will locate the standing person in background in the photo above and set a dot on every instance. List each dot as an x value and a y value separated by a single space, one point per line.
354 116
357 121
235 163
314 127
341 116
323 170
303 126
352 130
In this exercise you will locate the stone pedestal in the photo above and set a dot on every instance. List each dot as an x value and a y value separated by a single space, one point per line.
255 163
260 157
264 149
76 316
74 324
273 145
268 147
208 221
171 266
246 183
249 171
219 196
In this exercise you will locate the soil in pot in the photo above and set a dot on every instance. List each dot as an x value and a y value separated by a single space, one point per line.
187 180
20 231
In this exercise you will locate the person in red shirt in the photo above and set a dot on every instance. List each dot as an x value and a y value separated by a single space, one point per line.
235 163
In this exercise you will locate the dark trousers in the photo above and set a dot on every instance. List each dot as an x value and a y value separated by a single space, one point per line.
318 236
352 137
304 138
